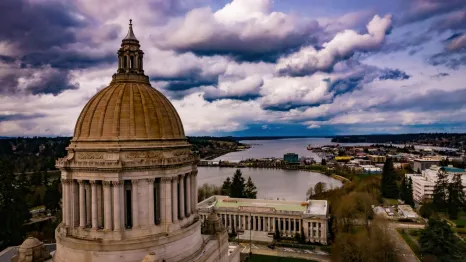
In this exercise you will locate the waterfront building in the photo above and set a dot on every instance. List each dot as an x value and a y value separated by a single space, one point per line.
130 179
424 183
424 163
261 215
291 158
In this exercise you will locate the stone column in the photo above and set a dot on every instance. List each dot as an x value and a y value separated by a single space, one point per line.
234 223
174 199
69 202
100 208
134 203
116 205
150 192
94 203
188 195
259 227
182 210
82 204
194 194
88 204
166 184
75 190
107 206
63 200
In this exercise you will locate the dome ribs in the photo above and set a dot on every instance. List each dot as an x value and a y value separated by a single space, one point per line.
104 113
117 112
79 123
90 119
132 124
159 126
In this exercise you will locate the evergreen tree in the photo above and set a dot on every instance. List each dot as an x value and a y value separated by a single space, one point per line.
439 240
403 188
440 191
323 162
250 190
456 197
237 185
389 188
52 197
13 208
226 187
409 199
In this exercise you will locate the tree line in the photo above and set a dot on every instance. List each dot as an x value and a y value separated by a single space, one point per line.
236 187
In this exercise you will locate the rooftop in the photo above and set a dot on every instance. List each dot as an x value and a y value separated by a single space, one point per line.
315 207
453 169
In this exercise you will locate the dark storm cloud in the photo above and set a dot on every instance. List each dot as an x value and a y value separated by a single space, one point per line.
393 74
48 42
13 117
36 26
419 10
430 101
452 21
440 75
448 59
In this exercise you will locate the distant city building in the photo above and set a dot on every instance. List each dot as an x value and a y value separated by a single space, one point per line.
376 159
291 158
425 163
264 215
370 169
423 184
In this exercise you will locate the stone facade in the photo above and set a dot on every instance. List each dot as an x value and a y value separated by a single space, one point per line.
129 178
291 217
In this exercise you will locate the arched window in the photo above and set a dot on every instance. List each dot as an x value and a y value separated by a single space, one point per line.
125 62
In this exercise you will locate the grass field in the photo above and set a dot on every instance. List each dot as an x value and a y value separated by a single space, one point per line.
390 202
461 221
263 258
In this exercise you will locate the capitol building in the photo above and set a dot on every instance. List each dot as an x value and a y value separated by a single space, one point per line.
129 179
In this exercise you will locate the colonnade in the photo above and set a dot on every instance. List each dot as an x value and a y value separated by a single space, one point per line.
125 204
313 230
262 223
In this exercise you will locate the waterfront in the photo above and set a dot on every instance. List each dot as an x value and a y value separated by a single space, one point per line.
270 183
277 148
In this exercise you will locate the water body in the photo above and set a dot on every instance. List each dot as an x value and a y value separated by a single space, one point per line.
277 148
270 183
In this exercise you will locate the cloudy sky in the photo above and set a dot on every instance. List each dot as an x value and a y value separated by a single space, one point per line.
243 67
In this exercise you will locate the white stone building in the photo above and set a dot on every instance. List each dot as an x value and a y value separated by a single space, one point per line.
424 183
129 179
264 215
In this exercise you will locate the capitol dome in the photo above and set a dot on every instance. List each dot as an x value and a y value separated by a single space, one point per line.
129 179
128 111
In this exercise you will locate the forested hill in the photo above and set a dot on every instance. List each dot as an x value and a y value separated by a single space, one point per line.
455 140
39 153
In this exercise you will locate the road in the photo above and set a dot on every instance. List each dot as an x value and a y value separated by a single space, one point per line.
404 251
316 255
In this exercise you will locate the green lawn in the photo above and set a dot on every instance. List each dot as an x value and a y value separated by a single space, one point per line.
461 221
263 258
410 241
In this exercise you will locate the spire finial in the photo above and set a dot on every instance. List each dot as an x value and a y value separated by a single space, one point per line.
130 35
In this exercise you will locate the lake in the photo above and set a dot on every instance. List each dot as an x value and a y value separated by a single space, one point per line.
270 183
277 148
